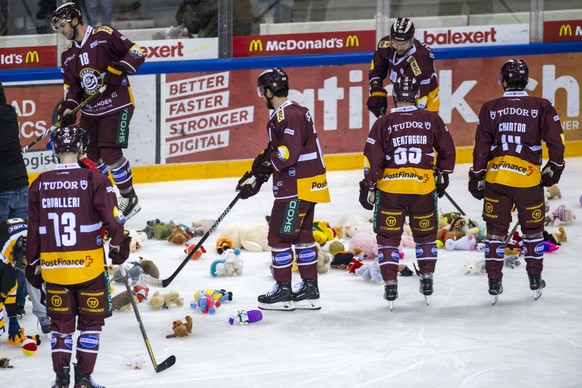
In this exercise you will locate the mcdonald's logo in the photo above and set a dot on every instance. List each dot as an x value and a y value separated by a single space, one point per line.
256 45
352 40
32 57
566 30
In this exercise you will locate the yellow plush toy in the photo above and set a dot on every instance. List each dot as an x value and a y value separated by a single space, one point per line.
163 301
322 232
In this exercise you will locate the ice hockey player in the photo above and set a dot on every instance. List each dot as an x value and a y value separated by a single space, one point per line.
506 171
402 179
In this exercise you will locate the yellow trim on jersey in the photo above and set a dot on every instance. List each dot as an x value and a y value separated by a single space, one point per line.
107 29
407 180
313 189
72 267
433 102
512 171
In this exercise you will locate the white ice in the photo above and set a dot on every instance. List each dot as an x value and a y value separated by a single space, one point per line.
460 340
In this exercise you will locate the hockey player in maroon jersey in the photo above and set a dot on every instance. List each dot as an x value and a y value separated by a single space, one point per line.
294 157
506 171
401 54
67 208
97 57
400 178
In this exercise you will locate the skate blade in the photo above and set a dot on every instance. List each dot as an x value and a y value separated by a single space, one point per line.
427 299
307 304
537 294
391 304
494 299
279 306
133 211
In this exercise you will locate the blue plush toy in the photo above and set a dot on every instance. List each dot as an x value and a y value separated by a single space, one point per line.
231 265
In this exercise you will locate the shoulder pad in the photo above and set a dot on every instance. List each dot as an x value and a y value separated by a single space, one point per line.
68 46
106 29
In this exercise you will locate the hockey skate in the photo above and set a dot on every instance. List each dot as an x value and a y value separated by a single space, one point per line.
495 289
84 380
129 205
63 379
536 284
426 288
391 292
279 298
306 296
45 324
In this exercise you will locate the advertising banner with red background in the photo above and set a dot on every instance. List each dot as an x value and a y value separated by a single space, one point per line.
563 31
219 116
28 57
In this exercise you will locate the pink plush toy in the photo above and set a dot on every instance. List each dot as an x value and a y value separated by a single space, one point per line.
366 242
465 243
407 241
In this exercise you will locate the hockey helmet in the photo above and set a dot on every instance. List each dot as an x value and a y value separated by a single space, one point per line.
405 89
13 232
514 74
272 79
70 139
402 30
66 12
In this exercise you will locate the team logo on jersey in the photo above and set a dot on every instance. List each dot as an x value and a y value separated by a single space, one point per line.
292 171
427 124
534 113
90 79
84 184
366 165
135 51
283 153
492 114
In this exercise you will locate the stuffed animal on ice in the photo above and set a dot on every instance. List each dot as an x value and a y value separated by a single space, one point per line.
136 362
407 241
181 329
322 232
206 303
323 262
465 243
164 301
366 242
202 226
553 192
122 301
179 235
163 230
231 265
351 224
220 295
223 244
476 266
138 238
252 238
137 268
198 254
370 271
561 216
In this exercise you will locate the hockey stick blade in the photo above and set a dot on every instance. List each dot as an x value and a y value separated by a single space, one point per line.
167 363
147 279
58 123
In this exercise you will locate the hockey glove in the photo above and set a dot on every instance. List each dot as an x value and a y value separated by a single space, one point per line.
119 253
114 75
15 332
262 167
477 184
64 115
442 182
378 100
33 274
367 196
551 174
18 253
248 185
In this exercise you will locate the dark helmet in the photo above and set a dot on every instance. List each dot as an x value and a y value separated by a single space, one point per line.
402 30
405 89
515 74
273 79
70 139
66 12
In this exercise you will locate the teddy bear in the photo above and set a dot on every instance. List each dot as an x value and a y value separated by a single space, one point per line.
200 227
137 239
206 303
354 223
560 236
181 329
554 192
252 237
323 261
230 265
179 236
164 301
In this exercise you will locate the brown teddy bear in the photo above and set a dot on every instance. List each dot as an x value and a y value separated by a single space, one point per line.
160 301
179 236
180 328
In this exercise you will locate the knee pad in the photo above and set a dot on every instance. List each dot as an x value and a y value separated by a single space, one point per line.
389 222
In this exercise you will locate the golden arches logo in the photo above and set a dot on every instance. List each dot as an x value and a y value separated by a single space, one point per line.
56 301
256 45
92 302
390 221
32 56
565 30
352 40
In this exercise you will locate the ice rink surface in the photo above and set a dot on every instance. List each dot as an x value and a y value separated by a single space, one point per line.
460 340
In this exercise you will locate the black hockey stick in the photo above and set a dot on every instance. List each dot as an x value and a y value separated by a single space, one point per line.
168 362
150 280
58 123
471 223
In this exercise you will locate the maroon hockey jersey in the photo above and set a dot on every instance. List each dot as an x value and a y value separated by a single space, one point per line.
66 209
85 64
298 166
417 63
508 142
399 155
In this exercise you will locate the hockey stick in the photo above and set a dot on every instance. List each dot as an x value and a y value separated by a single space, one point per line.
150 280
510 235
58 123
471 223
168 362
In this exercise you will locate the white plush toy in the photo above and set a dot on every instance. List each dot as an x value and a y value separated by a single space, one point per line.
465 243
231 265
354 223
370 271
252 237
476 266
137 239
